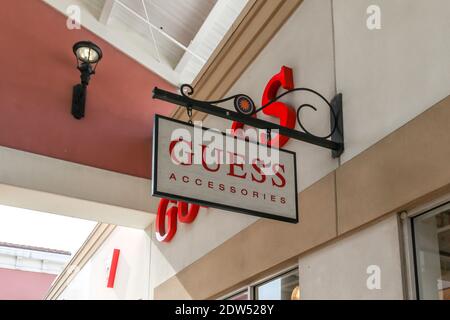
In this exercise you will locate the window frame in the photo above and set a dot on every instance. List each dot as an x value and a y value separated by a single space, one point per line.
409 245
236 292
251 287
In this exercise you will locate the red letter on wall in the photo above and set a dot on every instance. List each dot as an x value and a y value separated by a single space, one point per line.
286 114
113 268
277 109
162 234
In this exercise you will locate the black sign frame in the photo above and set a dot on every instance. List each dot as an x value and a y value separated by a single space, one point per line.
206 203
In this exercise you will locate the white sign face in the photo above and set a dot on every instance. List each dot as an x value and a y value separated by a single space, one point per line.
210 168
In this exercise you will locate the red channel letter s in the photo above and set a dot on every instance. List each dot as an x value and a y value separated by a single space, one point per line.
279 110
185 213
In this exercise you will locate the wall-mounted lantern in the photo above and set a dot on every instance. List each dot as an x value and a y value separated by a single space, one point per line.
88 56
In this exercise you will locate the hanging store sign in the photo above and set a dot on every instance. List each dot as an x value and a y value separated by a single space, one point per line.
252 193
211 168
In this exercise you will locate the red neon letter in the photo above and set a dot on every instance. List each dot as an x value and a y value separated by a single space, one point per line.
279 109
187 212
160 224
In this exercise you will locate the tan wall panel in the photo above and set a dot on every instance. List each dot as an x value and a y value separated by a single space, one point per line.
259 247
405 169
407 165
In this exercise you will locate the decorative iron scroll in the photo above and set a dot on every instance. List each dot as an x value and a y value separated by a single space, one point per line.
246 106
246 114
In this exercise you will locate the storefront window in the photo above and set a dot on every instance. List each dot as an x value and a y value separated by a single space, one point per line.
285 287
432 253
282 287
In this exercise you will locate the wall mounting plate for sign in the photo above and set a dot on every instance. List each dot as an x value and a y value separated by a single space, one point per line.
338 134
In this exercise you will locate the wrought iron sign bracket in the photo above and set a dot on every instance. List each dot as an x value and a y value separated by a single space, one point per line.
246 113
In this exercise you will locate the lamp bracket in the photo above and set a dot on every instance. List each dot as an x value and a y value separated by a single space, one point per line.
79 101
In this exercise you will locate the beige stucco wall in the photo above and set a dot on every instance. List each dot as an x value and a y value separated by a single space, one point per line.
213 227
340 269
132 275
391 75
92 194
386 78
191 242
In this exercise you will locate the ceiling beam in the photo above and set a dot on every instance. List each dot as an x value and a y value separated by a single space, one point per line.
76 190
106 11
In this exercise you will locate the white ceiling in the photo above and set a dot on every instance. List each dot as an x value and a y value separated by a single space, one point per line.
173 38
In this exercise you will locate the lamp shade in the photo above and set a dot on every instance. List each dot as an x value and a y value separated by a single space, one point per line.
87 52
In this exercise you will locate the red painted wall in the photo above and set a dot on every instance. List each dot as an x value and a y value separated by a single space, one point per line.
24 285
38 71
